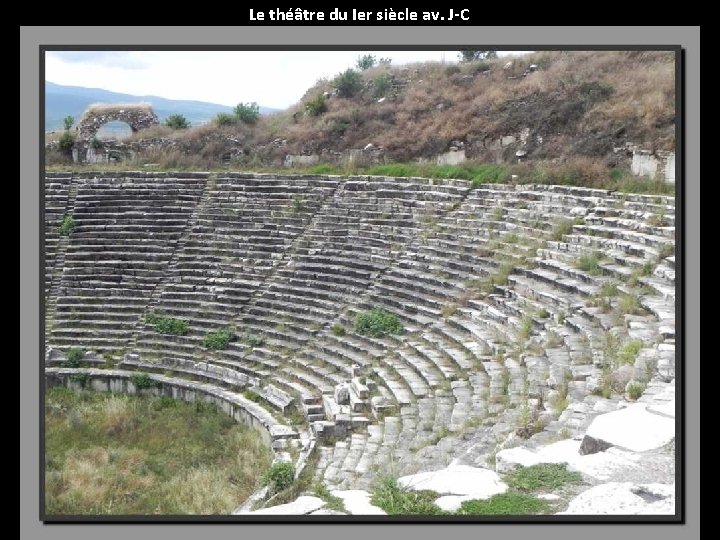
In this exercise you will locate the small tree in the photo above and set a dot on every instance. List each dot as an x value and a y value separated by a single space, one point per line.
469 55
177 121
66 141
316 106
225 119
348 83
381 84
365 62
68 122
247 113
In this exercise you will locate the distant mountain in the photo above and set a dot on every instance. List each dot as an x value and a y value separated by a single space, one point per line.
61 101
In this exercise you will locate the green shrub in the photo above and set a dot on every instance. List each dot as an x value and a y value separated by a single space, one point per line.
279 476
666 250
167 325
399 501
526 327
298 205
635 390
348 83
505 504
381 84
219 340
629 304
247 113
338 330
377 323
66 141
251 340
80 378
561 228
67 226
142 380
365 62
628 353
68 122
225 119
590 263
177 121
338 126
96 143
658 219
316 106
609 289
74 357
470 55
544 477
452 69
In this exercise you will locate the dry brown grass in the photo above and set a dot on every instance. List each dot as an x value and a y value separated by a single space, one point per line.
582 103
436 106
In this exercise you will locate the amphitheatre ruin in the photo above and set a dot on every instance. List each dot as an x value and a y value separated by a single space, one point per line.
506 342
443 332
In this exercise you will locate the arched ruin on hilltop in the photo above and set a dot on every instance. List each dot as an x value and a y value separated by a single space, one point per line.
138 116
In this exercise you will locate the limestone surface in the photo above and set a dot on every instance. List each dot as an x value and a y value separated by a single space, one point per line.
624 498
473 482
633 428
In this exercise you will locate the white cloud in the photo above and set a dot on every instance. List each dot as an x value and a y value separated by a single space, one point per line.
271 78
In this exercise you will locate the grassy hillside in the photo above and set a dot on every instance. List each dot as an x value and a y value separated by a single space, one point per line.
580 103
572 109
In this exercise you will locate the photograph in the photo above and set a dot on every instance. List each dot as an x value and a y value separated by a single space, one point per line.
361 285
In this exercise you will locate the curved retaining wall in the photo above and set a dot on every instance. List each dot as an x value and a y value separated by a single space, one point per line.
234 405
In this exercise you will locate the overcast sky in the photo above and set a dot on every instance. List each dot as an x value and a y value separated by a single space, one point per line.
271 78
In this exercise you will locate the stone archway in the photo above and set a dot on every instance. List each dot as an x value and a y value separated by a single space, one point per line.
138 116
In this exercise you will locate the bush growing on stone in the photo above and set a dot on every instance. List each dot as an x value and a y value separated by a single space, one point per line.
67 226
177 121
377 323
542 477
635 390
167 325
298 205
504 504
590 263
348 83
68 122
219 340
73 357
396 500
628 353
251 340
316 106
96 143
338 330
247 113
279 476
142 380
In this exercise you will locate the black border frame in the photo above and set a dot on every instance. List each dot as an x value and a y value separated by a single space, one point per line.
680 480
